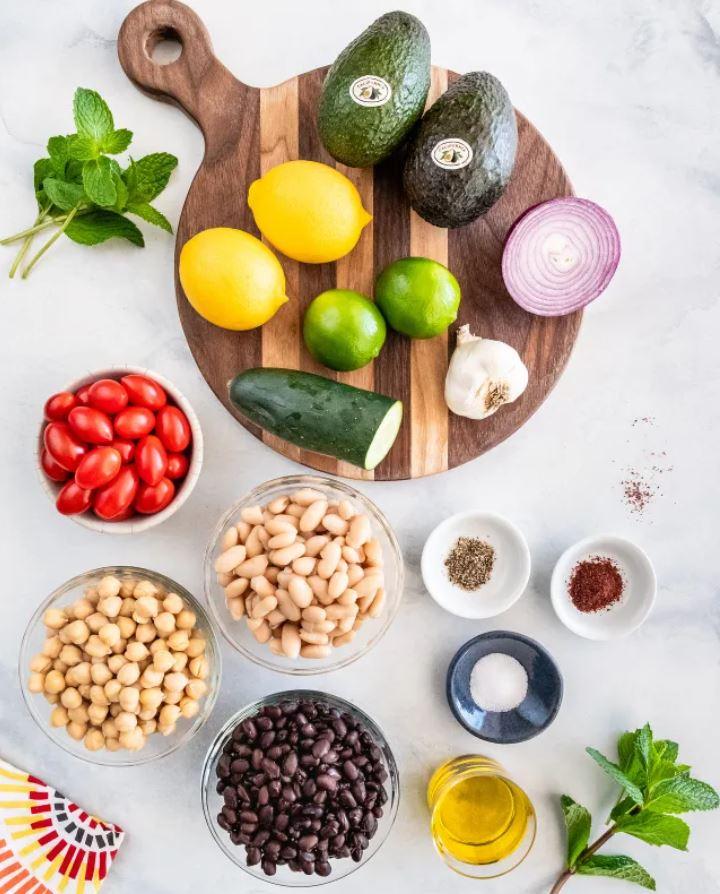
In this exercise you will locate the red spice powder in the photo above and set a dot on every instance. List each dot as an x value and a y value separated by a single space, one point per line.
595 584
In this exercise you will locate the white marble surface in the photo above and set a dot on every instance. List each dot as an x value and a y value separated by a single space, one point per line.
627 93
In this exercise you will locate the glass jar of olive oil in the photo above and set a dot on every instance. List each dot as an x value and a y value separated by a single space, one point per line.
482 823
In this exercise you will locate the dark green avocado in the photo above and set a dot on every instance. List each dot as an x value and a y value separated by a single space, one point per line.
376 91
461 157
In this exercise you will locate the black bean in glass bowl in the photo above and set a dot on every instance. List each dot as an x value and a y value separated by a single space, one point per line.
300 788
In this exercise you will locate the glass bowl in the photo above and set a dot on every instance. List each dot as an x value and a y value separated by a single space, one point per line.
157 745
212 802
238 634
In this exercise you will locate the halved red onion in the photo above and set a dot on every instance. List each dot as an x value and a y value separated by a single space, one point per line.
560 255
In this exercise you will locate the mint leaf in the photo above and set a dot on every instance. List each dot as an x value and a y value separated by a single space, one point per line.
619 867
626 749
98 181
682 794
644 745
656 828
82 148
617 774
147 177
122 193
629 758
42 169
664 770
622 807
150 214
57 148
93 118
99 226
577 824
117 141
666 749
64 195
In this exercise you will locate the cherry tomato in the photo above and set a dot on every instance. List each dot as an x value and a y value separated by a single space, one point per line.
144 392
114 498
53 470
173 429
63 446
98 467
126 449
108 395
151 459
91 425
152 498
72 500
134 422
83 394
177 465
59 405
123 516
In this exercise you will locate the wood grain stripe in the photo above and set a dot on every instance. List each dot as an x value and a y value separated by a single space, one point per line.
391 240
355 271
314 278
279 143
429 357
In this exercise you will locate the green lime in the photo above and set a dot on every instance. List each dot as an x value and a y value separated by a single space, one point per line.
418 297
343 329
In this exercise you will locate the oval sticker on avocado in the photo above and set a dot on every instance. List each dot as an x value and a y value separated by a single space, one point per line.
370 91
452 154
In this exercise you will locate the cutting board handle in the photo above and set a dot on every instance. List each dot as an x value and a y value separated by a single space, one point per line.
196 80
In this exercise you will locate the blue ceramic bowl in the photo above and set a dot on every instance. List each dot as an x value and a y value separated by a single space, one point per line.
539 707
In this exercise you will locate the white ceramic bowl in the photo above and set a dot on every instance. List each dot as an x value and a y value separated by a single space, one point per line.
638 595
137 523
510 573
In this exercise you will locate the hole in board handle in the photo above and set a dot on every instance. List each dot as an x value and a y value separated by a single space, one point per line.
164 46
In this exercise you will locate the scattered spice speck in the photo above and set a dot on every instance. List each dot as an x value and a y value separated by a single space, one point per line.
470 563
641 482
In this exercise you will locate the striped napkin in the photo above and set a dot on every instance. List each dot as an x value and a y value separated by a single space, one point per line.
49 845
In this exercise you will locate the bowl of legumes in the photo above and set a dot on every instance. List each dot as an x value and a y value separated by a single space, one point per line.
300 788
120 666
303 575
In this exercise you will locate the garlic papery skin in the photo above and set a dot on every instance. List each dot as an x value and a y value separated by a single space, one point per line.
482 376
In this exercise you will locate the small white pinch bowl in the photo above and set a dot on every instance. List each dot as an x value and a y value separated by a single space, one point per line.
510 573
636 602
137 523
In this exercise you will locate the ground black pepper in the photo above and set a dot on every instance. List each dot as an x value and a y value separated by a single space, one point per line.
470 563
595 584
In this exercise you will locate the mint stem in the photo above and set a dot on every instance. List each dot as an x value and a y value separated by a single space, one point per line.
55 236
27 242
567 874
40 224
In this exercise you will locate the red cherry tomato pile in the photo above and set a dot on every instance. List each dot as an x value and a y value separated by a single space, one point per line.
118 448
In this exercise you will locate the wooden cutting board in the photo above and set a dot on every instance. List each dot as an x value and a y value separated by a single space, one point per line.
247 131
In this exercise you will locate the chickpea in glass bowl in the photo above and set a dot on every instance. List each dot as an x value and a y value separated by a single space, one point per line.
120 666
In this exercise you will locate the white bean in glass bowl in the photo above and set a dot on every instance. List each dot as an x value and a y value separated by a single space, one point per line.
306 614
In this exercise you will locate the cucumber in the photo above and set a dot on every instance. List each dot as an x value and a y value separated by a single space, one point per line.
318 414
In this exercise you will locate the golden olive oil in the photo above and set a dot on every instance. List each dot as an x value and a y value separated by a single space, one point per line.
482 823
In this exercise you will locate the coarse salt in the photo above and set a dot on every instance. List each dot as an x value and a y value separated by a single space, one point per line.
498 682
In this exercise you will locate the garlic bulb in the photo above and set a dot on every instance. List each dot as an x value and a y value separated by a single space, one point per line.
482 376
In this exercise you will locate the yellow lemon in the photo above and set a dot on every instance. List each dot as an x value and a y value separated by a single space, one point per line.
308 211
231 278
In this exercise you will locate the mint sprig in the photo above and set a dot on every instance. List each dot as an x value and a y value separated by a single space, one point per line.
84 193
654 789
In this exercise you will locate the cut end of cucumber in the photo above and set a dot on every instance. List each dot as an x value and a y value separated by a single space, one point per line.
384 436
